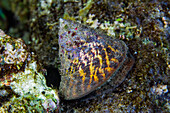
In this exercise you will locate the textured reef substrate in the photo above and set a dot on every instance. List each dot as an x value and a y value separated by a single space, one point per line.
143 26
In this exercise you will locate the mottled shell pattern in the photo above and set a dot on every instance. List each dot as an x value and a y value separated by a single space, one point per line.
88 59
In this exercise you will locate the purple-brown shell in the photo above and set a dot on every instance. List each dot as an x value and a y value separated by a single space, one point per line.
89 59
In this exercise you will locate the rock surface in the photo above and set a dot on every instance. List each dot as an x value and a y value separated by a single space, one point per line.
22 82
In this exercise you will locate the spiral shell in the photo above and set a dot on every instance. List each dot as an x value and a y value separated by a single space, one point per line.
88 59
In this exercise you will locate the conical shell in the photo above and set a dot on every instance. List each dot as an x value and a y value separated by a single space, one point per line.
88 58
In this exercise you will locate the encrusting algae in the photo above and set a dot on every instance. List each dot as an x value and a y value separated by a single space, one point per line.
22 83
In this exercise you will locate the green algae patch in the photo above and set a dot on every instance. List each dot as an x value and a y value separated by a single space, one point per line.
83 12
